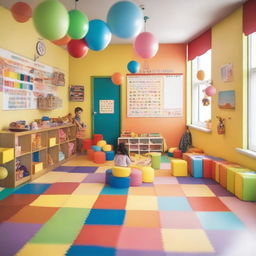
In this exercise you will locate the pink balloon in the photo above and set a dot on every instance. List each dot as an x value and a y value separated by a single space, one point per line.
146 45
210 90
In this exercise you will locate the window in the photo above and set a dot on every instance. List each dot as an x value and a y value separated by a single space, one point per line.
252 93
201 113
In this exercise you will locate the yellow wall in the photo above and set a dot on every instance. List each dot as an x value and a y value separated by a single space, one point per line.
21 39
227 47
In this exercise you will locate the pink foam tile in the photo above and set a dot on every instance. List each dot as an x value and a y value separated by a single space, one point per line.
165 166
245 211
179 219
165 180
140 239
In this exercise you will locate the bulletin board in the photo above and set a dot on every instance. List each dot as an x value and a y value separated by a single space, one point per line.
154 95
23 80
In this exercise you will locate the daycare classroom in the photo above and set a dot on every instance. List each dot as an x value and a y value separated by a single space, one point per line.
128 128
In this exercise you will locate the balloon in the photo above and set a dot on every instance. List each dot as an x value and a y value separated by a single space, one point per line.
51 19
117 78
3 173
77 48
210 90
133 66
63 41
21 12
200 75
146 45
98 36
125 19
78 24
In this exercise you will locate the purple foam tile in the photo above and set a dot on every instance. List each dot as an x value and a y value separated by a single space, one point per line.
222 240
190 180
219 191
15 235
64 169
84 169
147 184
139 253
207 181
95 178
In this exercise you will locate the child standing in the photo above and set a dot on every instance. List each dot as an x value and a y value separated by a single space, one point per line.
122 157
80 128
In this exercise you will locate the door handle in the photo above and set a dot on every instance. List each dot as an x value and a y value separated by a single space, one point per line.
94 113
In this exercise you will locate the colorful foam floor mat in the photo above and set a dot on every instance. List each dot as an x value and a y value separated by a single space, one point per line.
70 211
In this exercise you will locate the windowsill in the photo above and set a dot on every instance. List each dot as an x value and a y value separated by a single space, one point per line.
202 129
247 152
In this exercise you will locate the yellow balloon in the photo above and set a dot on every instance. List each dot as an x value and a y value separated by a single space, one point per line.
200 75
3 173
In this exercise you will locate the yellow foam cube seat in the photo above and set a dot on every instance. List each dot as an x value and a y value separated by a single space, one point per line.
6 155
107 147
148 174
179 167
119 171
37 167
52 141
101 143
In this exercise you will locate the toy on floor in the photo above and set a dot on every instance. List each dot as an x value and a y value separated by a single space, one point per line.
140 160
21 170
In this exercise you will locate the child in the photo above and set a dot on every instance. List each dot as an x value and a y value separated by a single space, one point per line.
80 128
122 157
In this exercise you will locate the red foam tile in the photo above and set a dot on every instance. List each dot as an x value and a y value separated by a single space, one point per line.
140 239
62 188
19 199
110 202
207 204
100 235
7 211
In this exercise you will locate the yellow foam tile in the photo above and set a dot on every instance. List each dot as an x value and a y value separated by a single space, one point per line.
50 177
197 190
83 161
73 177
186 240
142 203
159 173
44 249
88 189
50 200
81 201
142 191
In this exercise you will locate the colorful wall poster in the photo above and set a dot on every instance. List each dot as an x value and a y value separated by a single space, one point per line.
76 93
106 106
227 100
226 72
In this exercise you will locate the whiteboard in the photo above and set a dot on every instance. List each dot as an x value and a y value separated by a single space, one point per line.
155 95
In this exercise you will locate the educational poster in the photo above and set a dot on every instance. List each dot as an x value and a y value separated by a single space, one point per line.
23 80
106 106
155 95
76 93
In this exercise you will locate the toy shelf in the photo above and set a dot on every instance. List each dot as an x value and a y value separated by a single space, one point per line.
142 145
38 150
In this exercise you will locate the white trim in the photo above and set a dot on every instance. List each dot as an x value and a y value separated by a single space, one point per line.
246 152
200 128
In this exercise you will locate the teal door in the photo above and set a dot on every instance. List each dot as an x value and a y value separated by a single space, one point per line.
106 109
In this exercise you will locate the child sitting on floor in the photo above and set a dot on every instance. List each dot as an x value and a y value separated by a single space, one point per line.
122 157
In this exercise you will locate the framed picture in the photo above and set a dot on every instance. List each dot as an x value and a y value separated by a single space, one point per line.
227 100
76 93
226 72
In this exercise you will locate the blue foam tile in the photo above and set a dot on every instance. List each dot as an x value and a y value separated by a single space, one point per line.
64 169
173 203
32 189
80 250
105 217
220 220
107 190
84 169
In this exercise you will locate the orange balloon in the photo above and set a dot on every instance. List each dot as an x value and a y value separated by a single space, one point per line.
63 41
200 75
21 12
117 78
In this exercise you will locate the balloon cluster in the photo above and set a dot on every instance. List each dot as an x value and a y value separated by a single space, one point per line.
210 90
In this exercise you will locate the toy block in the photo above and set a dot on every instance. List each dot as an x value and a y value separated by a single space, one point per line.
148 174
223 172
136 177
110 155
90 154
36 156
96 138
87 143
207 168
245 186
99 157
37 167
197 166
177 153
52 141
179 167
6 155
187 157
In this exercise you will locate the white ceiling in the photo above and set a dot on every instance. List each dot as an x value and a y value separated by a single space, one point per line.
171 21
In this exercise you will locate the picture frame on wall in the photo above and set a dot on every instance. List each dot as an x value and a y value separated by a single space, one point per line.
76 93
226 72
227 100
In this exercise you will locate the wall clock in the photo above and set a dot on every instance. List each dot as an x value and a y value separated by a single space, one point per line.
40 48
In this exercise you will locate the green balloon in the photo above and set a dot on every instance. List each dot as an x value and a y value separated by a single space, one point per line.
51 19
78 24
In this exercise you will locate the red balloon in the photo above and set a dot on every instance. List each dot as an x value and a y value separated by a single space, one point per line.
117 78
77 48
21 12
63 41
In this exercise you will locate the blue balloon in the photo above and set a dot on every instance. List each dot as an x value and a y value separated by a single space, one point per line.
98 36
125 19
133 66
